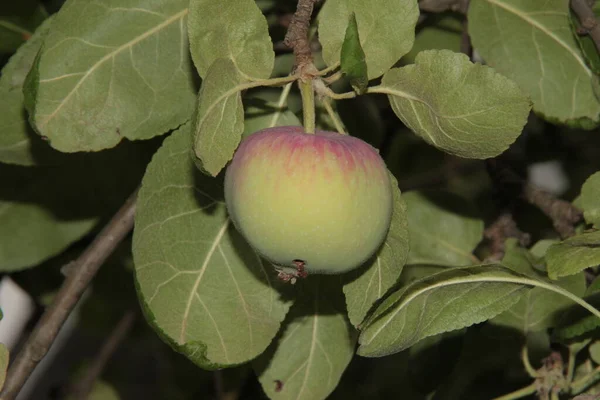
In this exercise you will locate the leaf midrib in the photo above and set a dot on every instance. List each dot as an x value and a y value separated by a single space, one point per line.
207 259
485 279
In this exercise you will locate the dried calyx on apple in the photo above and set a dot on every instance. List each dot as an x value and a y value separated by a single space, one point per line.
309 203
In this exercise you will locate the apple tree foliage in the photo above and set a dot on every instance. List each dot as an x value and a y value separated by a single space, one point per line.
98 96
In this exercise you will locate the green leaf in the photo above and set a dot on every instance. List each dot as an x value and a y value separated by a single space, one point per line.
573 255
204 290
315 346
219 122
595 351
352 59
45 209
386 29
462 108
101 390
540 309
263 111
531 42
122 71
363 287
589 200
521 260
18 21
4 358
540 247
446 301
443 229
18 142
235 30
578 322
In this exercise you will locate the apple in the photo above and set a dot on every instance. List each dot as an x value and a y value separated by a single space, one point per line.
309 203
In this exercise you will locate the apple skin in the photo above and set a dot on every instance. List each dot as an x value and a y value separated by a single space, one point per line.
322 198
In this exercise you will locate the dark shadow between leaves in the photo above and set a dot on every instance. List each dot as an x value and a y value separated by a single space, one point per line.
70 201
85 185
451 203
489 364
208 189
260 107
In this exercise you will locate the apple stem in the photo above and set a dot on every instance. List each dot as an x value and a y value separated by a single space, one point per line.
308 104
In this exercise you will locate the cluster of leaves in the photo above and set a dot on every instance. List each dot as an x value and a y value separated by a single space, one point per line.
130 70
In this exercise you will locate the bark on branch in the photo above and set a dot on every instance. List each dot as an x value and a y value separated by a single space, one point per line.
297 34
80 275
587 19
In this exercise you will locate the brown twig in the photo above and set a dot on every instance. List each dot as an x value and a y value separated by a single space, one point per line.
76 282
503 228
562 213
297 35
587 19
82 389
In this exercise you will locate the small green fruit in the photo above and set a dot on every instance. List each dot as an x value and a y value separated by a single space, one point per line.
322 201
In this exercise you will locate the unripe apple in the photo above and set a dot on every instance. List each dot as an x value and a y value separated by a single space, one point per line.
319 201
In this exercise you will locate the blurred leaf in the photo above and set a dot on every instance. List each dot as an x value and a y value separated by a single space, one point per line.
462 108
432 359
362 118
203 288
264 111
573 255
377 379
352 59
316 345
364 286
521 260
18 21
18 142
4 358
540 248
442 302
101 390
589 200
416 164
585 42
531 42
577 322
488 350
235 30
111 294
122 71
219 122
443 229
595 351
386 29
45 209
437 31
540 309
